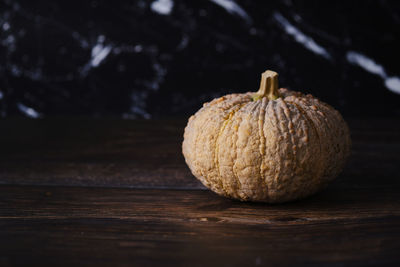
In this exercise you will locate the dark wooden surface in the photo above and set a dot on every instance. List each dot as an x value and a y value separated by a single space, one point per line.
117 192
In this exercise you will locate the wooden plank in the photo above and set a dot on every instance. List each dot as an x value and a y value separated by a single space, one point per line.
147 154
104 226
86 152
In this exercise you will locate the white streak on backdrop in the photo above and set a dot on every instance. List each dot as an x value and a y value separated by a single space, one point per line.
162 7
28 111
232 8
300 37
99 52
369 65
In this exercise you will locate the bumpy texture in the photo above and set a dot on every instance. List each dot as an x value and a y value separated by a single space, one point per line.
266 150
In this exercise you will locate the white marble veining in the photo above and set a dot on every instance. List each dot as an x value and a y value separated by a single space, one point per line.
6 26
28 111
99 53
369 65
300 37
162 7
366 63
233 8
393 84
163 56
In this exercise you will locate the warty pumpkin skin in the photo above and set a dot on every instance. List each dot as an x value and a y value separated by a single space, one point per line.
273 146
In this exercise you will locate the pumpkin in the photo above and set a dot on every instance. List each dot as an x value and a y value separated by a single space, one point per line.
275 145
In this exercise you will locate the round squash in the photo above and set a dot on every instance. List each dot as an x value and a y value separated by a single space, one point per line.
272 146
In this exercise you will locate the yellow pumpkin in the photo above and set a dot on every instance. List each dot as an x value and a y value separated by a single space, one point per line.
272 146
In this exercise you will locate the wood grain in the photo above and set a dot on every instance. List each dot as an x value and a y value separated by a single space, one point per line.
191 227
118 193
110 153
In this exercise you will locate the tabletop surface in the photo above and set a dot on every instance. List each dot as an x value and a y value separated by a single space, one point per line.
117 192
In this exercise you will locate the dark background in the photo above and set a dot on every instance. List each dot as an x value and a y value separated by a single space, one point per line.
151 59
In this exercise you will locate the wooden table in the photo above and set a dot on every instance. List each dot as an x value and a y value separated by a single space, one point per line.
117 192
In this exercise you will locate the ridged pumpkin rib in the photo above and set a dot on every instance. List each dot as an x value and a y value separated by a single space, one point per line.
263 140
325 120
236 155
289 125
216 151
279 135
205 177
313 126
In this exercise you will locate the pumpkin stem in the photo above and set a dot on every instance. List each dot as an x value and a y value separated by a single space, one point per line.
268 86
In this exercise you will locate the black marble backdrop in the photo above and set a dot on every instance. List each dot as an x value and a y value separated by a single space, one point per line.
150 59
